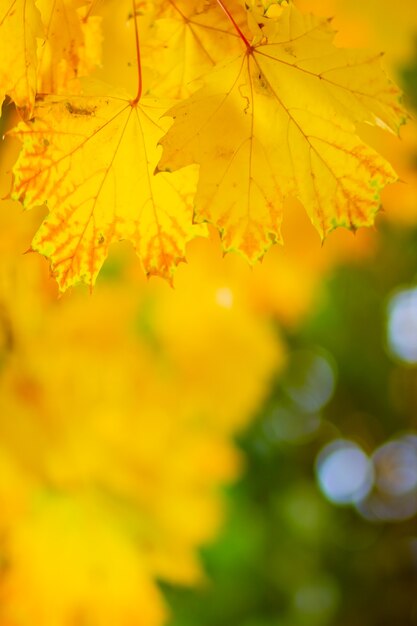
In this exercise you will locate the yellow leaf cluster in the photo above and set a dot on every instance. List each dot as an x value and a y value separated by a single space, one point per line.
266 108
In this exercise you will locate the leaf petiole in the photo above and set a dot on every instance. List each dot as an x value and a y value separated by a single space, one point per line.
138 58
234 23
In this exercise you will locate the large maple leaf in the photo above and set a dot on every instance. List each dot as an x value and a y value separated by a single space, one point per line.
280 119
91 159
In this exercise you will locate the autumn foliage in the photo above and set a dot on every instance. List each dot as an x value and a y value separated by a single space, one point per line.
267 109
187 129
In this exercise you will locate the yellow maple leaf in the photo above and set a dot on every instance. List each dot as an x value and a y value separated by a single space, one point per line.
91 159
280 120
20 25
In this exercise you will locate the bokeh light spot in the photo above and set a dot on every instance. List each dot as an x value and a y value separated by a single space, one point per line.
317 599
344 472
310 380
396 467
291 427
402 325
224 297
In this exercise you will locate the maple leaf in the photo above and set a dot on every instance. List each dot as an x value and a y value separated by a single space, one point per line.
91 159
280 120
20 25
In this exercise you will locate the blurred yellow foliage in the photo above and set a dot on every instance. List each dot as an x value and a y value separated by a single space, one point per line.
372 24
118 411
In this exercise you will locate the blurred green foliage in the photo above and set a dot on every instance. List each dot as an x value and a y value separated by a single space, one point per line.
288 556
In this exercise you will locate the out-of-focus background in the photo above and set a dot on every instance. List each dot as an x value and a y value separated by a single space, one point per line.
238 450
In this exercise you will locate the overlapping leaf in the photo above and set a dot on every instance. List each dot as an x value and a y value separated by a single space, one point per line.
72 43
44 46
20 25
188 38
280 119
